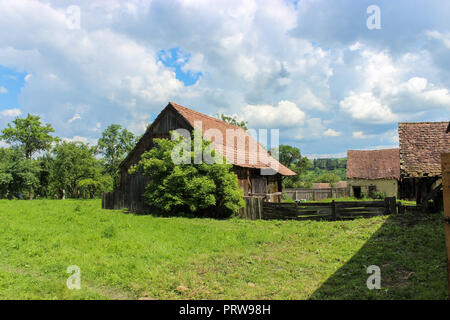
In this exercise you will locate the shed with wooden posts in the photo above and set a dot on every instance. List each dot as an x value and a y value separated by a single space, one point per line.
421 146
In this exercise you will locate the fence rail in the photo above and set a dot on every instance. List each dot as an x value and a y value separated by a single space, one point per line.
257 208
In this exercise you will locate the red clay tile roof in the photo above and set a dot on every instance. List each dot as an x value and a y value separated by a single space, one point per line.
373 164
250 155
421 145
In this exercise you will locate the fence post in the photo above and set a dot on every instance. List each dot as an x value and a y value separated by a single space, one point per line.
260 208
333 210
389 203
445 162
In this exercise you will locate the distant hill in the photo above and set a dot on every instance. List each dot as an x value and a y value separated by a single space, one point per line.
325 170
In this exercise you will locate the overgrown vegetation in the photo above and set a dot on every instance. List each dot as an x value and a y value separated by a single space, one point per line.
185 186
126 256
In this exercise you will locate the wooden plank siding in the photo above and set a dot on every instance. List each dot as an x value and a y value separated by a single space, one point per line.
315 194
129 197
445 162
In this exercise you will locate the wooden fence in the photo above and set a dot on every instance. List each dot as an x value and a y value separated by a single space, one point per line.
315 194
257 208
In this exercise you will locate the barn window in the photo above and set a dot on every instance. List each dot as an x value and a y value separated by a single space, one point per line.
372 190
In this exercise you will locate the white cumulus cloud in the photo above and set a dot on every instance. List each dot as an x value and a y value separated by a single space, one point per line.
332 133
10 113
366 107
285 114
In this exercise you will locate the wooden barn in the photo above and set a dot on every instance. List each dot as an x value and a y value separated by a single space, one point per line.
370 171
255 176
421 146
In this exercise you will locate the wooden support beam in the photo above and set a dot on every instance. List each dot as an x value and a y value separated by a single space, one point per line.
333 210
390 203
445 162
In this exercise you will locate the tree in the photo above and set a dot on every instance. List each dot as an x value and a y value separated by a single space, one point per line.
291 157
89 188
200 189
115 144
328 177
17 174
46 164
76 173
232 120
30 135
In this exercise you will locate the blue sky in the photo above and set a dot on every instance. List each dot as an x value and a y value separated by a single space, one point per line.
11 83
312 69
176 59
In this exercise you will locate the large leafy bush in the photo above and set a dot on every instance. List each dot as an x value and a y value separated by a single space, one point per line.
188 188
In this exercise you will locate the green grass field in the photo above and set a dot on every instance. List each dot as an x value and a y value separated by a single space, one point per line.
127 256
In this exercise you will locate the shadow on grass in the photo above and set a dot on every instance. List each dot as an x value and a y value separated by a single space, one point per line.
158 214
410 251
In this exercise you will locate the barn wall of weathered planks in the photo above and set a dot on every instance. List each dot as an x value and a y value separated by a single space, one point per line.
129 196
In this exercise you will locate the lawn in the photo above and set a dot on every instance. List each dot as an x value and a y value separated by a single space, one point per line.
127 256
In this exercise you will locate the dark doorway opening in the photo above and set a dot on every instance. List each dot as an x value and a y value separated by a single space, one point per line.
372 191
357 192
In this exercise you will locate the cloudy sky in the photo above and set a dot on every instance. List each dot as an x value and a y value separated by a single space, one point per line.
312 69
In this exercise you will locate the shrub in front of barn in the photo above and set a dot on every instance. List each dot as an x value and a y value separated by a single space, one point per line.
187 188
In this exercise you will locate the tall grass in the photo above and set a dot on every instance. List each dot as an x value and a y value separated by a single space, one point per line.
127 256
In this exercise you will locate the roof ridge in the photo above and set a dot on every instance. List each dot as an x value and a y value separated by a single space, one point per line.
373 164
375 149
176 105
410 122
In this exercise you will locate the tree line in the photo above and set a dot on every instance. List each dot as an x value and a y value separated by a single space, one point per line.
310 171
38 164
